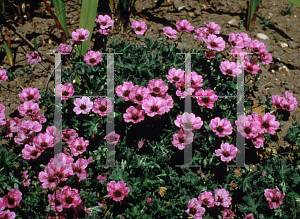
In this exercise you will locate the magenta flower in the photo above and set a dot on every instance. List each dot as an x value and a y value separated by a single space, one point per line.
170 32
79 168
220 127
2 205
28 108
288 105
26 179
201 33
33 57
102 106
117 191
56 202
227 214
188 121
247 127
175 75
222 198
180 139
43 141
3 76
78 146
93 58
265 57
139 27
70 196
157 86
207 199
155 106
7 214
210 54
194 209
252 67
227 152
258 141
101 178
212 27
30 94
236 41
215 43
206 98
256 46
2 115
83 105
196 80
267 123
112 138
103 32
69 135
276 101
246 39
13 198
169 100
230 68
181 90
79 36
38 117
235 51
124 90
64 49
134 114
139 94
184 26
66 90
274 196
148 200
104 21
249 216
31 152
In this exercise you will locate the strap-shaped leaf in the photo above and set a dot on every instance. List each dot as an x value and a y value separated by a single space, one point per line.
60 10
295 2
8 52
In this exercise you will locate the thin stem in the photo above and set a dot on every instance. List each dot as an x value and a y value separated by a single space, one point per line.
179 39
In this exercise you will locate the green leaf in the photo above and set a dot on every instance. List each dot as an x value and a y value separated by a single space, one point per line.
36 48
60 11
8 52
295 2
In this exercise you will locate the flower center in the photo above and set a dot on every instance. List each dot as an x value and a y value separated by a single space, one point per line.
92 60
139 98
182 28
79 148
213 44
135 117
57 202
265 125
138 29
181 140
154 108
52 179
65 93
44 145
157 89
247 130
81 37
30 97
220 129
126 93
59 175
118 193
205 100
193 211
34 153
229 71
275 199
67 136
188 125
83 107
102 108
69 200
11 201
175 78
225 154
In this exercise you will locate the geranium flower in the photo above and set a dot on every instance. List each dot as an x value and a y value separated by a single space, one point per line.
157 86
25 177
222 198
196 80
28 108
40 118
256 47
201 33
276 101
155 106
56 202
78 146
220 127
103 32
249 216
212 27
64 49
275 197
83 105
210 54
227 214
267 123
139 94
207 199
66 90
184 26
101 178
206 98
175 75
69 135
247 127
258 141
79 36
112 138
170 32
139 27
3 76
246 39
188 121
265 57
180 139
134 114
236 40
124 90
215 43
117 191
230 68
70 196
13 198
33 57
7 214
288 105
227 152
31 152
169 100
93 58
102 106
30 94
181 90
43 141
194 208
235 51
52 130
79 168
104 21
252 67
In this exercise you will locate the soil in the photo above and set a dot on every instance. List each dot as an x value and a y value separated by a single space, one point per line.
282 29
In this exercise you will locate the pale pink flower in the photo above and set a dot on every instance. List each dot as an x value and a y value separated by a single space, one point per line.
79 36
28 108
207 199
181 90
265 57
188 121
274 196
101 178
206 98
124 90
66 90
13 198
235 51
276 101
38 117
288 105
83 105
227 152
215 43
175 75
79 168
93 58
33 57
104 21
155 106
267 123
141 143
220 127
117 191
246 39
139 94
69 134
103 32
7 214
56 202
157 86
256 46
249 216
212 27
230 68
43 141
78 146
247 127
31 152
139 27
180 139
112 138
196 80
236 41
170 102
194 209
3 76
184 26
30 94
201 33
134 114
170 32
222 198
252 66
258 141
102 106
227 214
210 54
64 49
52 130
71 197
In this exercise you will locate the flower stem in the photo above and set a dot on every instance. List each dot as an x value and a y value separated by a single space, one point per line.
179 40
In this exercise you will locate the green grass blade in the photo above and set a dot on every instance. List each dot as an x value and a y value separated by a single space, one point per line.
295 2
8 52
60 10
3 6
36 48
253 6
87 20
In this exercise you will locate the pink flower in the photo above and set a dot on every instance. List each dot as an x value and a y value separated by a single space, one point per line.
79 168
258 141
246 39
124 90
215 43
220 127
222 198
71 197
236 40
170 32
252 67
30 94
79 36
263 173
43 141
139 27
13 198
274 196
101 178
235 51
66 90
7 214
40 118
210 54
180 139
265 57
227 214
169 100
104 21
31 152
69 135
288 105
28 108
148 200
64 49
155 106
102 106
207 199
117 191
56 202
2 114
175 75
184 26
249 216
267 123
227 152
139 94
27 180
212 27
276 101
112 138
196 80
181 90
188 121
194 209
83 105
230 68
33 57
26 130
134 114
247 127
206 98
3 76
103 32
93 58
157 86
2 205
256 46
78 146
201 33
